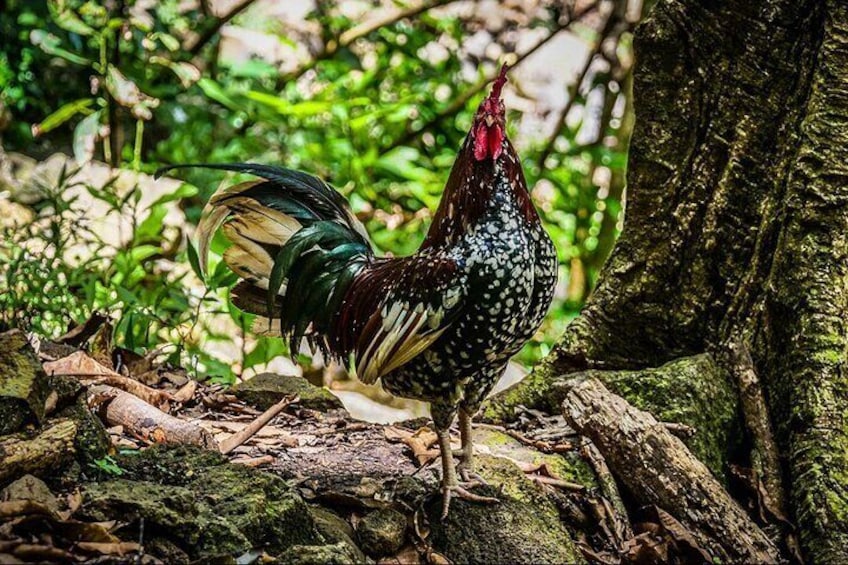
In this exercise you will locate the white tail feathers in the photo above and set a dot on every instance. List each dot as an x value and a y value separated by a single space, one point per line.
249 226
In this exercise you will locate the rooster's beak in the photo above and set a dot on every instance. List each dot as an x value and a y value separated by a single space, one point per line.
490 120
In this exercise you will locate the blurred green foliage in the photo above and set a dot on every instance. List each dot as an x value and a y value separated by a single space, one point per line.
140 87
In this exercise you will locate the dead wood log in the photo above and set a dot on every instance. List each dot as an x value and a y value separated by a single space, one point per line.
658 469
89 371
22 454
143 420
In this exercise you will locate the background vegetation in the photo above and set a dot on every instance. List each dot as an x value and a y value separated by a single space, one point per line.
376 103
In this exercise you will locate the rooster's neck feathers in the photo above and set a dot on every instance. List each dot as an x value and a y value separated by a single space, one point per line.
469 193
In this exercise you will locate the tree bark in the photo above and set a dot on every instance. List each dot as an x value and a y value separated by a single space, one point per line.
663 472
736 227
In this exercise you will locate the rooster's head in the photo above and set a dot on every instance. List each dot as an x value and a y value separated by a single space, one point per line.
489 129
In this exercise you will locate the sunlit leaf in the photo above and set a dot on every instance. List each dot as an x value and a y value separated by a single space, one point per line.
50 44
127 93
62 115
85 137
64 17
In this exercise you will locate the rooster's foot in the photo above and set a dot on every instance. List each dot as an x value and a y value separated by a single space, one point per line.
460 490
467 474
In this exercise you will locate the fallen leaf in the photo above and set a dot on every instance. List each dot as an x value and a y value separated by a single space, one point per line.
185 393
420 442
115 548
80 365
396 435
680 534
78 335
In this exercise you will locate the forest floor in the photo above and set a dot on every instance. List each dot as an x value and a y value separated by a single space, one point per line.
108 457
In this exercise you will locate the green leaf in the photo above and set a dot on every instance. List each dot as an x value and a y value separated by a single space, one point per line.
214 91
62 115
185 190
301 109
150 229
64 17
49 43
193 260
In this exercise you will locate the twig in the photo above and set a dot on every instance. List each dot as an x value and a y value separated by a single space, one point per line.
609 490
565 485
255 461
145 421
534 443
207 36
765 456
680 430
236 440
332 46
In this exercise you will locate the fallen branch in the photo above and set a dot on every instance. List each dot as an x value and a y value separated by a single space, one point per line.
20 454
79 365
609 490
657 468
145 421
239 438
765 457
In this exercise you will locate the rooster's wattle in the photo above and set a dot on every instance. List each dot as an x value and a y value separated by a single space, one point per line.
439 326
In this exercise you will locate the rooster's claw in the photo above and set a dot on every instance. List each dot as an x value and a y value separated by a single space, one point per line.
461 491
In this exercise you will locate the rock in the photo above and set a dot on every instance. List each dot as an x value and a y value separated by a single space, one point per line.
245 508
524 526
336 554
266 389
23 383
336 529
30 488
171 512
381 532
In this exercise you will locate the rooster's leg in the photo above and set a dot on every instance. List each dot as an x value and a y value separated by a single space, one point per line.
466 452
451 487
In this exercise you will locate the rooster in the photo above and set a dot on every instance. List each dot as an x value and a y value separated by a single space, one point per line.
438 326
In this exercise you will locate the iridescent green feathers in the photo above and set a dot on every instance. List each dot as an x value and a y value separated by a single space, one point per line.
294 237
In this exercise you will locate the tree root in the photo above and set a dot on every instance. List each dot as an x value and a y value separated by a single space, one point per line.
658 469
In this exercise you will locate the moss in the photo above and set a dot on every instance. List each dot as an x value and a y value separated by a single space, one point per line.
336 554
23 383
169 512
533 391
567 466
524 526
266 389
259 507
92 441
692 390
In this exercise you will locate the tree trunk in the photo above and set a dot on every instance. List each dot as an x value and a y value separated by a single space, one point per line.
737 227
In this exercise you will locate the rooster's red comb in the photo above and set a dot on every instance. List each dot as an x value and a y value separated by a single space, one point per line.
500 81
